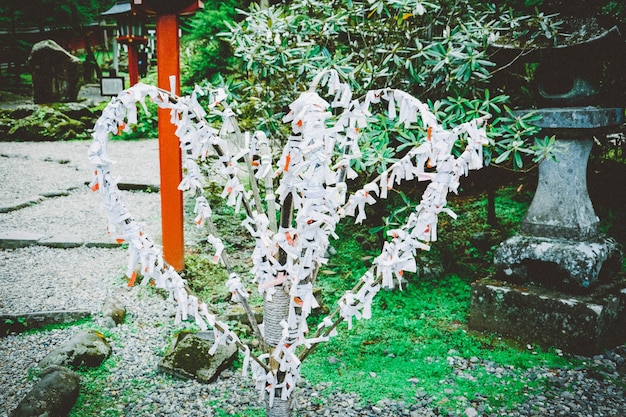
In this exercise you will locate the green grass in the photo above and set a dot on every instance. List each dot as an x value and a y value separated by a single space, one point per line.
92 392
406 346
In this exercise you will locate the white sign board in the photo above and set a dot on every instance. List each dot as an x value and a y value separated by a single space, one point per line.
111 86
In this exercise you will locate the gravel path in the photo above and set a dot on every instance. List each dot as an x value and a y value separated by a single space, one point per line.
39 278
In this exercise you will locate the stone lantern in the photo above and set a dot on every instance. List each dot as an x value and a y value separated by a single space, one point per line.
556 282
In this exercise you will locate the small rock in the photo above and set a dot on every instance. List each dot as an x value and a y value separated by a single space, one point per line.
421 393
107 322
114 309
237 313
471 412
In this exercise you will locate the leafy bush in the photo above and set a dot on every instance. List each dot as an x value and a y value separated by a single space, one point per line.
433 50
211 54
146 127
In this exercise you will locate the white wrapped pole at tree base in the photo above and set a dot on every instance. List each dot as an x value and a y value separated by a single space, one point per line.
312 193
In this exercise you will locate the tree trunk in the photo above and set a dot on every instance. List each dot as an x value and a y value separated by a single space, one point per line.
281 408
275 311
492 219
91 63
492 179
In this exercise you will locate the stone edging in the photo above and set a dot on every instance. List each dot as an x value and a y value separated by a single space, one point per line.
19 239
16 323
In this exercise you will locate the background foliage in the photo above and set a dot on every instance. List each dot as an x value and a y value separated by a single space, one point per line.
438 51
76 17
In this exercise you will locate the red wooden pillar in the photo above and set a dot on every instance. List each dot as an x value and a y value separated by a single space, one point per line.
168 64
133 67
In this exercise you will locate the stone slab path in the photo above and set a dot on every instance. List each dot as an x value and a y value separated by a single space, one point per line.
44 198
52 225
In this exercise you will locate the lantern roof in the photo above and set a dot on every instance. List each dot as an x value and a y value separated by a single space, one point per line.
179 7
575 32
120 7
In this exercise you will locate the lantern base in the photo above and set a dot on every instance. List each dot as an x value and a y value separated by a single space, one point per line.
573 266
584 325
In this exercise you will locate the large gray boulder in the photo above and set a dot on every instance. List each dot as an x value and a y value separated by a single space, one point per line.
86 348
53 395
57 75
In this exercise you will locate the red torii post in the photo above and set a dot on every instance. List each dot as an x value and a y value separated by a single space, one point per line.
168 65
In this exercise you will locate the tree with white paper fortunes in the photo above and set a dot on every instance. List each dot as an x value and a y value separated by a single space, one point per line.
293 226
